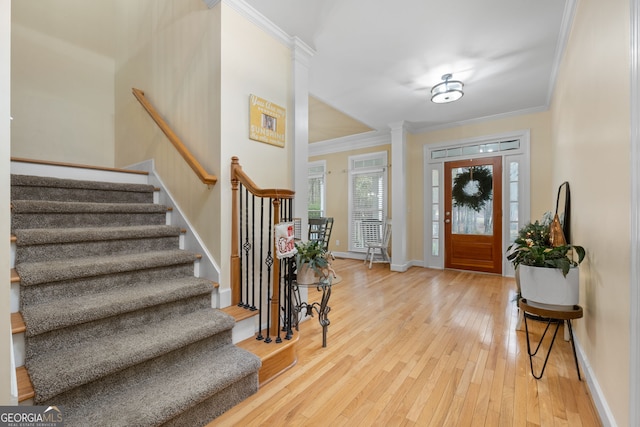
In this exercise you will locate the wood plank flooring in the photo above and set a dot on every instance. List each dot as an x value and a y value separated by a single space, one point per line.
420 348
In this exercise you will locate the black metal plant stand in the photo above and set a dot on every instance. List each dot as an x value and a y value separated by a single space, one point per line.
550 314
321 308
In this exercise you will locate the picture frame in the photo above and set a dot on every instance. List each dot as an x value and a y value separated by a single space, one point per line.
267 121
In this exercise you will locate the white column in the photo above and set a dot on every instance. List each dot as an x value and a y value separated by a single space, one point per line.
8 389
399 200
301 56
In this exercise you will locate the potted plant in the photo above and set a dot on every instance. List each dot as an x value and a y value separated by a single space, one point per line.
545 273
311 261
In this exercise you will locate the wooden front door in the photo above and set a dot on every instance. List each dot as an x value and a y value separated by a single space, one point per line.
473 214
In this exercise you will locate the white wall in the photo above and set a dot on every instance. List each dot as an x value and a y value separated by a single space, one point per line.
591 148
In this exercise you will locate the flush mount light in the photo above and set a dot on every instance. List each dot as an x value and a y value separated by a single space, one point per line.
447 91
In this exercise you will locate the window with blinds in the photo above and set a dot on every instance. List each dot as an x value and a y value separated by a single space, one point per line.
367 195
315 206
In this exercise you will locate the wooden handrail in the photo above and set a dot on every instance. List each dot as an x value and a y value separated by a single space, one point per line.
204 176
238 174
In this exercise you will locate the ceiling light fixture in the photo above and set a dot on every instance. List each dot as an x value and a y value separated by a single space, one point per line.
447 91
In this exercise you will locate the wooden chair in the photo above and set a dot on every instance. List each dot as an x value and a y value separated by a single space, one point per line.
320 229
378 243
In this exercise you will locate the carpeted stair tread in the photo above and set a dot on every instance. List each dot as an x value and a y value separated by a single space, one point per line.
92 360
157 399
48 244
27 187
56 214
55 314
33 273
118 329
42 181
45 207
42 236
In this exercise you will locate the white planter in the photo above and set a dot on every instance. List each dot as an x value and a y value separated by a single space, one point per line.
549 286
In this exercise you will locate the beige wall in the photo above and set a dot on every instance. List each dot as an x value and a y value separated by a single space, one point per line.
253 63
337 192
542 191
62 89
170 50
5 134
198 66
539 125
591 135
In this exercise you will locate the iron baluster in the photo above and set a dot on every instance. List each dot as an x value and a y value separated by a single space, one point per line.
253 253
260 336
269 262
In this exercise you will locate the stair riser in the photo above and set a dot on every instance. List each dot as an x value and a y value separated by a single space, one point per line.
91 331
36 253
134 377
79 195
84 219
40 294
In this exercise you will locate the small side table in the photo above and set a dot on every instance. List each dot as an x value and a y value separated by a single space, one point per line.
322 307
550 314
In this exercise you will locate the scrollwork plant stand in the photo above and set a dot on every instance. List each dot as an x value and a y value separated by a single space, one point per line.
321 308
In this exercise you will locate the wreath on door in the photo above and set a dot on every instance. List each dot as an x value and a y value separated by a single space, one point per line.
473 188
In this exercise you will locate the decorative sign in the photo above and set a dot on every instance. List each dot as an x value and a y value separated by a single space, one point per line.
285 243
267 121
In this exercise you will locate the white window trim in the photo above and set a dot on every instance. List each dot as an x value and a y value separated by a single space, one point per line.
385 162
522 155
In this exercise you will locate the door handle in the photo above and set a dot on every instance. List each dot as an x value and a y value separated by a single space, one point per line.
447 221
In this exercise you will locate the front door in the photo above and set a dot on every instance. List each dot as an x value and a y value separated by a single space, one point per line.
473 214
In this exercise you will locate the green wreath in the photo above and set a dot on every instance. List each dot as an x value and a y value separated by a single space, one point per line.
477 199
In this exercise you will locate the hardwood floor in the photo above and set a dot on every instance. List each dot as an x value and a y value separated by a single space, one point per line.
420 348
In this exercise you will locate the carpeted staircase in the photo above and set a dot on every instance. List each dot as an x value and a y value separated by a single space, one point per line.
119 331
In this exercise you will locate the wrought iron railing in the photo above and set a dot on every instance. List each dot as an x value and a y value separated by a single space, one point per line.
260 281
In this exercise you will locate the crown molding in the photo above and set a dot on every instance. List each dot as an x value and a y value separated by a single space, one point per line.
416 128
563 38
302 52
211 3
351 142
244 9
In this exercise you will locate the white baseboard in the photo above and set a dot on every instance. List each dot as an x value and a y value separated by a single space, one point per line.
244 329
224 298
599 400
208 268
348 255
18 349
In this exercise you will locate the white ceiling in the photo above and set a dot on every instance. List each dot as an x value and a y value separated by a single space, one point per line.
377 60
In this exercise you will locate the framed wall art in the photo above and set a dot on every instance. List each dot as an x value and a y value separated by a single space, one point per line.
267 121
